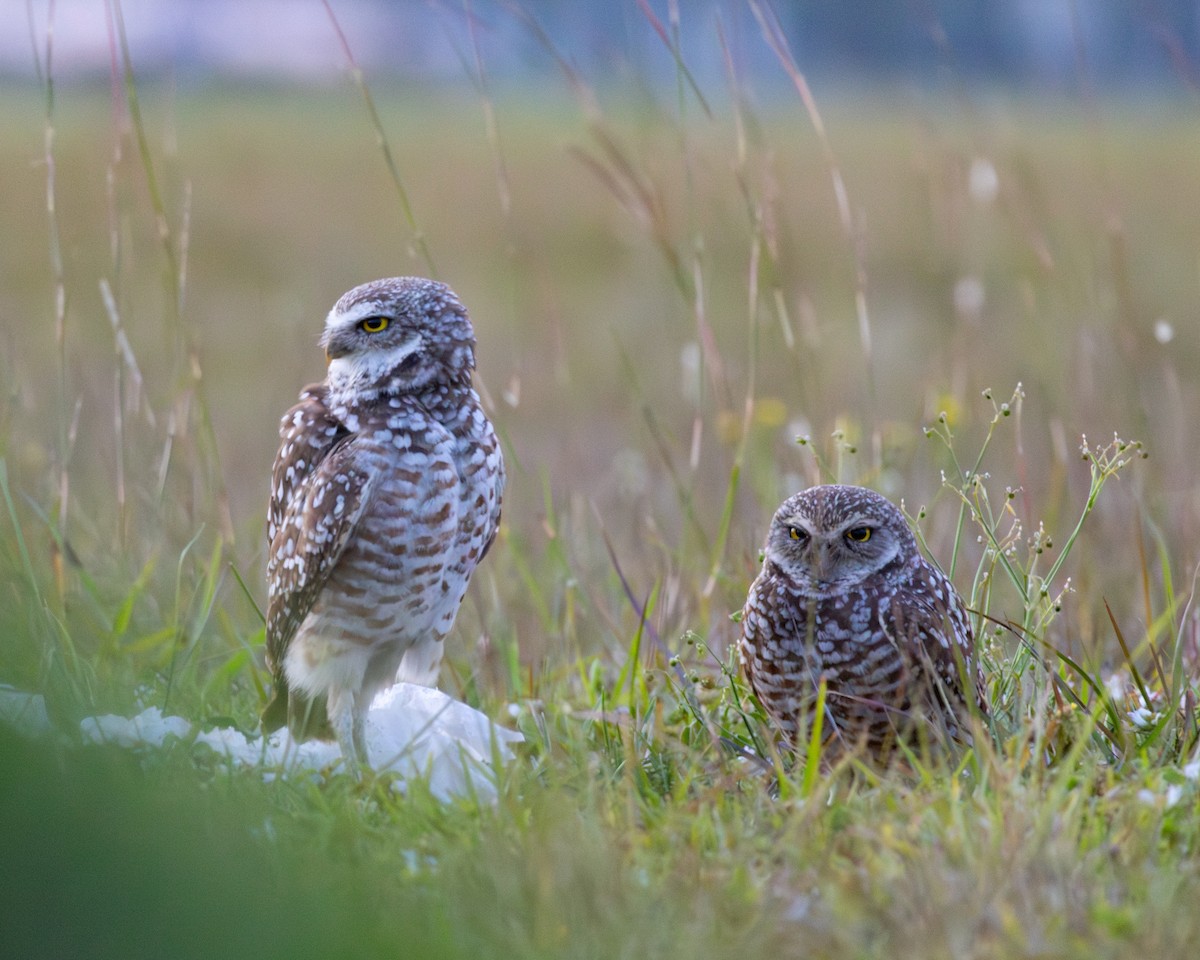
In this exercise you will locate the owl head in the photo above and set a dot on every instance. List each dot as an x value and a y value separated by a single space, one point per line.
828 537
398 335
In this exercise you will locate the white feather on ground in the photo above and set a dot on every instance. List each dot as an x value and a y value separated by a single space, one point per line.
413 731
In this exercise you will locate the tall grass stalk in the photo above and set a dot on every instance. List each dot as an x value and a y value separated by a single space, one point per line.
777 41
420 248
173 244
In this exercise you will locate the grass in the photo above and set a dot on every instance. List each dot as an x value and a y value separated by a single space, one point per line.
667 293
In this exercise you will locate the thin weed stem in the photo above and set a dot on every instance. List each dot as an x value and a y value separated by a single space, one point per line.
419 246
65 420
173 246
776 39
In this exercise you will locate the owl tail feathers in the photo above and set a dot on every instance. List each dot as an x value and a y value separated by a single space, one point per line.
306 718
274 714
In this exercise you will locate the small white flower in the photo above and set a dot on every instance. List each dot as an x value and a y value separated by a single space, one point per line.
691 359
969 296
1143 718
982 181
1116 685
1192 770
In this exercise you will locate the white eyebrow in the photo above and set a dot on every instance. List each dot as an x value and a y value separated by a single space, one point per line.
360 311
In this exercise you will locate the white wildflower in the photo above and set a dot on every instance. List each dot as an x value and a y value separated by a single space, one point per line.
983 183
969 296
1143 718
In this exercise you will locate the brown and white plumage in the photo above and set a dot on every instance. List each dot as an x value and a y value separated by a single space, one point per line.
844 596
385 497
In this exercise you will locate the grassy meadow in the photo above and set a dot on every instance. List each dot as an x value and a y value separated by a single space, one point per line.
686 311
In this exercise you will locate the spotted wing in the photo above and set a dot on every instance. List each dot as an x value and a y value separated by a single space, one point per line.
319 491
931 624
755 627
771 651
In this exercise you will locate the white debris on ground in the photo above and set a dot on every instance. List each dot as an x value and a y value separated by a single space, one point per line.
24 712
411 731
148 729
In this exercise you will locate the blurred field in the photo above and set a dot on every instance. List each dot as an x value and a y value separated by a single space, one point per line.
1088 243
663 305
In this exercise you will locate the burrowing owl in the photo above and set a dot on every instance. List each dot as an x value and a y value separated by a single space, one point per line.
844 596
385 496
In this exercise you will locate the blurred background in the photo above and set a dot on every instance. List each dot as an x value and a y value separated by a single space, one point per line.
1023 44
688 234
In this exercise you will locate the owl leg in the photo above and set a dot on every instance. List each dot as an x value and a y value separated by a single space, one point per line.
358 732
348 723
421 662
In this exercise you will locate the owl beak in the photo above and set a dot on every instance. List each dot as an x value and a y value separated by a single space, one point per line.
820 560
334 347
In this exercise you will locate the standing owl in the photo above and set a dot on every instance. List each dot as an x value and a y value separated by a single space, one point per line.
844 596
385 496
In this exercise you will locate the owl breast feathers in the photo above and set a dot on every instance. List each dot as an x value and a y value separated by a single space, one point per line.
385 497
845 598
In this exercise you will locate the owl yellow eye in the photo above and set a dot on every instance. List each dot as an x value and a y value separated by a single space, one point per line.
859 534
374 324
797 534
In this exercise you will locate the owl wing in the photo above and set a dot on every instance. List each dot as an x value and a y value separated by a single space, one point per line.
752 632
319 491
762 617
930 622
495 463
